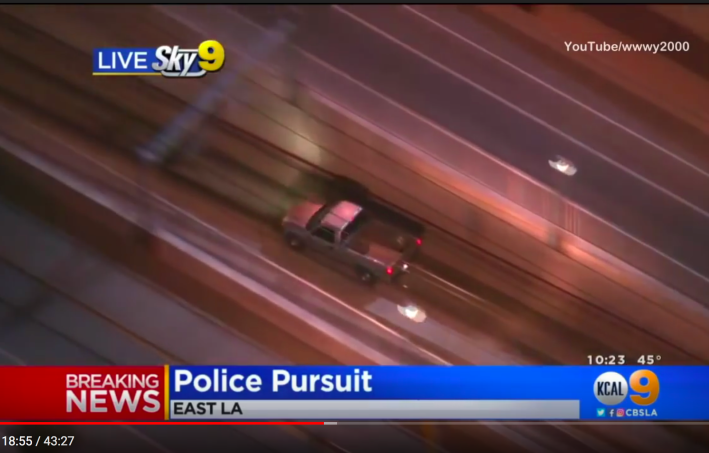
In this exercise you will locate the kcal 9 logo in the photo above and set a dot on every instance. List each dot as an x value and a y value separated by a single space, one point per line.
611 388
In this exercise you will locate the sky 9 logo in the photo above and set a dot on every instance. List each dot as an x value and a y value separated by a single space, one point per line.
612 388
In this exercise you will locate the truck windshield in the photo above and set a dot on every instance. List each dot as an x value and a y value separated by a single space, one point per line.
324 233
317 217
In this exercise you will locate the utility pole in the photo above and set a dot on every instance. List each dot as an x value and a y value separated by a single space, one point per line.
559 216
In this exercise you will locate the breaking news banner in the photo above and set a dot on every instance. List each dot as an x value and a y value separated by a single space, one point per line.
339 393
107 393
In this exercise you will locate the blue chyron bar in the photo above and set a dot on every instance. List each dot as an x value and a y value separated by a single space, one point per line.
568 393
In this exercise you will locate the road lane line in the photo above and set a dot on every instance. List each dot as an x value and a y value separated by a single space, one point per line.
461 294
550 87
12 357
523 112
448 285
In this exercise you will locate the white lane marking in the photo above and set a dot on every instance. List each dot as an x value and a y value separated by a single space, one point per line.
563 94
523 112
461 294
449 285
474 148
12 357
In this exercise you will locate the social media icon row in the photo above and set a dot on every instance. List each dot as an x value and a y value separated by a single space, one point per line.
619 413
610 412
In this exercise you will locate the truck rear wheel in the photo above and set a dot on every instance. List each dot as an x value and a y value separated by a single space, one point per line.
366 277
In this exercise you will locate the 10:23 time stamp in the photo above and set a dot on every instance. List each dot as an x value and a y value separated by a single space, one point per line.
620 359
37 441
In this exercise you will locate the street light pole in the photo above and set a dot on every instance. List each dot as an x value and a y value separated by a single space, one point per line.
555 238
568 169
165 142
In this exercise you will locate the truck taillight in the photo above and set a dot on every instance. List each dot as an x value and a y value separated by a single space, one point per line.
390 270
419 241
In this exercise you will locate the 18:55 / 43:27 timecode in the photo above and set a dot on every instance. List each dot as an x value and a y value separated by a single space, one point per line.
36 441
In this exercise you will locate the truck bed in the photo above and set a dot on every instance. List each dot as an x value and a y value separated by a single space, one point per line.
392 218
384 234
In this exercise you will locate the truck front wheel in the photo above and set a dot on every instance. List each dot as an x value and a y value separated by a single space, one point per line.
294 242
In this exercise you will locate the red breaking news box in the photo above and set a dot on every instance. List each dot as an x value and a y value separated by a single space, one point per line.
83 393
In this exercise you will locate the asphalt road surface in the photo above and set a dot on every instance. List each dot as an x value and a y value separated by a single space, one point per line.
125 112
448 292
627 175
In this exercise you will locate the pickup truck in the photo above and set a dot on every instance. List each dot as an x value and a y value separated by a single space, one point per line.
371 239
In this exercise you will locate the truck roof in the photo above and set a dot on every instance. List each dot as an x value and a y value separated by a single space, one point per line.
341 215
